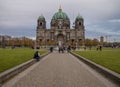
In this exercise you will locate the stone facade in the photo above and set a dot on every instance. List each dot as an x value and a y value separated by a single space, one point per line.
60 31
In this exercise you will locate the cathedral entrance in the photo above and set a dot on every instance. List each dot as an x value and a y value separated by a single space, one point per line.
60 39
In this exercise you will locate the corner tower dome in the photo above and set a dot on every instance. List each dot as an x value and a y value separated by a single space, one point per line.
79 17
41 17
60 15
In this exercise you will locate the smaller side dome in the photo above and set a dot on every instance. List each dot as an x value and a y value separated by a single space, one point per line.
41 17
79 17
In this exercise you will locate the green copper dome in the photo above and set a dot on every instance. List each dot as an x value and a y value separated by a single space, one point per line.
79 17
60 15
41 17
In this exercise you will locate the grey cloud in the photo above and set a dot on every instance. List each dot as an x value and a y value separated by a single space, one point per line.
114 21
101 16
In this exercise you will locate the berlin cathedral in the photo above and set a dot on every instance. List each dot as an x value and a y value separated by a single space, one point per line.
60 31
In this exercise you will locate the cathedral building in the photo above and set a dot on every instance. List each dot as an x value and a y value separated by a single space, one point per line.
60 32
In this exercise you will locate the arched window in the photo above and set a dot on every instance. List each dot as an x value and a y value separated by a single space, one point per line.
80 23
40 23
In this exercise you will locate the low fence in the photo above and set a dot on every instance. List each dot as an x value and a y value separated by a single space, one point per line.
14 71
113 76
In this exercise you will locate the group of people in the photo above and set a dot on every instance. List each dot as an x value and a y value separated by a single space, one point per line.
99 48
63 48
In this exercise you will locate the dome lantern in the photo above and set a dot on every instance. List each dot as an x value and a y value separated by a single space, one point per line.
60 9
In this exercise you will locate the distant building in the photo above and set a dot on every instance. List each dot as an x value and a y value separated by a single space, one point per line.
4 39
60 31
101 39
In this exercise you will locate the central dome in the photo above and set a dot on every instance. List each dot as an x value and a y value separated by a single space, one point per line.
60 15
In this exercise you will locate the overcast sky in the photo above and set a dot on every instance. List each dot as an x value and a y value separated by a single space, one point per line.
101 17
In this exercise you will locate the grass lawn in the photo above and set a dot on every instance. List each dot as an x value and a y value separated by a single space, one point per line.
13 57
109 58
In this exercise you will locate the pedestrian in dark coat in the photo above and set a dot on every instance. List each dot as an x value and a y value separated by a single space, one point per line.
100 48
37 56
51 49
69 48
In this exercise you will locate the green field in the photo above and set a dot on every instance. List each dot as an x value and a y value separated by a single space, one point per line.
109 58
13 57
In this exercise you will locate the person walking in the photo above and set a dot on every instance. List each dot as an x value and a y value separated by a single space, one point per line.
51 49
100 48
69 48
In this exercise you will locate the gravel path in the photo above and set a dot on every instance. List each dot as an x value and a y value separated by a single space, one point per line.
57 70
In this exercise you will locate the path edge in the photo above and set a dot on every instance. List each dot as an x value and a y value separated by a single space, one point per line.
109 74
6 75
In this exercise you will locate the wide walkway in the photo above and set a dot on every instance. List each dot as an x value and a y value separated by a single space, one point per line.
59 70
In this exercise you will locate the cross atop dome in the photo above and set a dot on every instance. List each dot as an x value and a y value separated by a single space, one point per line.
60 9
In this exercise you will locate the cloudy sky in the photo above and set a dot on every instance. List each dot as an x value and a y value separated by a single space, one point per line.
101 17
